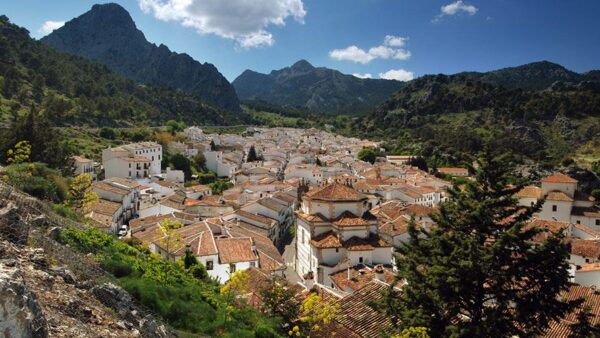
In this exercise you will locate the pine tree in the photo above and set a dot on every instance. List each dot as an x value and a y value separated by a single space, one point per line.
478 273
252 155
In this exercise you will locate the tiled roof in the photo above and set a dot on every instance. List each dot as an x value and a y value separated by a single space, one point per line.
559 178
105 207
365 244
357 316
148 235
235 250
336 192
585 248
591 300
326 240
449 170
360 276
255 217
530 191
348 219
110 188
197 188
418 210
396 227
558 196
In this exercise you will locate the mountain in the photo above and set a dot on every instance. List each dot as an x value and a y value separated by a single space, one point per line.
107 34
531 76
317 89
71 90
453 116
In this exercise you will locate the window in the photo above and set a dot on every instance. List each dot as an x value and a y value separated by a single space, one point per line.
209 265
578 222
598 222
360 259
232 267
159 157
337 249
554 208
253 264
129 165
152 157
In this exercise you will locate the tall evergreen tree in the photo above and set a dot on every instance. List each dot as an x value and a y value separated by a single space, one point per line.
252 154
479 272
584 328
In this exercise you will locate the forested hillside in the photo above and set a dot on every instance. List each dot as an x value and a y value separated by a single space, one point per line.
450 117
70 90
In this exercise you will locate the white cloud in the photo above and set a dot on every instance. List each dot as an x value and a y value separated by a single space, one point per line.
394 41
241 20
397 74
384 51
49 26
363 76
455 8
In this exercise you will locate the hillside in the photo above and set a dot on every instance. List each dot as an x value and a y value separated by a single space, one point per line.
317 89
75 91
453 116
531 76
107 34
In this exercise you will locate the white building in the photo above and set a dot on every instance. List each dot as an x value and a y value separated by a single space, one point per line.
83 165
136 160
336 231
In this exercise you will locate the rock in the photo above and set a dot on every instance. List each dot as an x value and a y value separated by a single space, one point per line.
38 258
39 221
54 233
12 227
66 274
20 314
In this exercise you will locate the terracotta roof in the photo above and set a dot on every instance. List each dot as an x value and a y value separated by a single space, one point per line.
587 230
255 217
418 210
559 178
135 159
234 250
197 188
530 191
148 235
360 276
326 240
558 196
105 207
365 244
449 170
357 316
110 188
336 192
591 300
585 248
396 227
348 219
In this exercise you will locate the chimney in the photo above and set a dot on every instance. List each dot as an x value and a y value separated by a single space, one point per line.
309 280
379 272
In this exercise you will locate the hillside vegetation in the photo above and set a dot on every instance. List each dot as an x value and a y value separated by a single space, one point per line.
74 91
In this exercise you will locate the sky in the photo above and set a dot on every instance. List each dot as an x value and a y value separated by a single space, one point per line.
393 39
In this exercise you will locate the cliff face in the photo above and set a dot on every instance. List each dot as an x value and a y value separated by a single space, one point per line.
107 34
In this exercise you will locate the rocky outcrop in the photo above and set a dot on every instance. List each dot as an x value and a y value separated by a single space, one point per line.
20 313
107 34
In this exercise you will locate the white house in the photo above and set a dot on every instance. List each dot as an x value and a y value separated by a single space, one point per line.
83 165
136 160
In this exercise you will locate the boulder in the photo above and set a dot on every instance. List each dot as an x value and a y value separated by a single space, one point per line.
20 313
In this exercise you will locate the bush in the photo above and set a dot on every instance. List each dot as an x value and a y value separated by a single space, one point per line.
108 133
37 180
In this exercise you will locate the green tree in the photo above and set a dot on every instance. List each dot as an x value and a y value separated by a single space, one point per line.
413 332
478 272
82 197
108 133
200 161
280 301
367 155
174 127
252 156
418 162
171 240
180 162
20 154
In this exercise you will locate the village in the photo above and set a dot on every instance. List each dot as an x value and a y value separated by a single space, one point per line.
303 207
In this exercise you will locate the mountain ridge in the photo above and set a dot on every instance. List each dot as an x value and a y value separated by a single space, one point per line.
318 89
107 34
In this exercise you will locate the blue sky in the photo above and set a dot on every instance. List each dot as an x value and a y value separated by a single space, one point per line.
424 36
